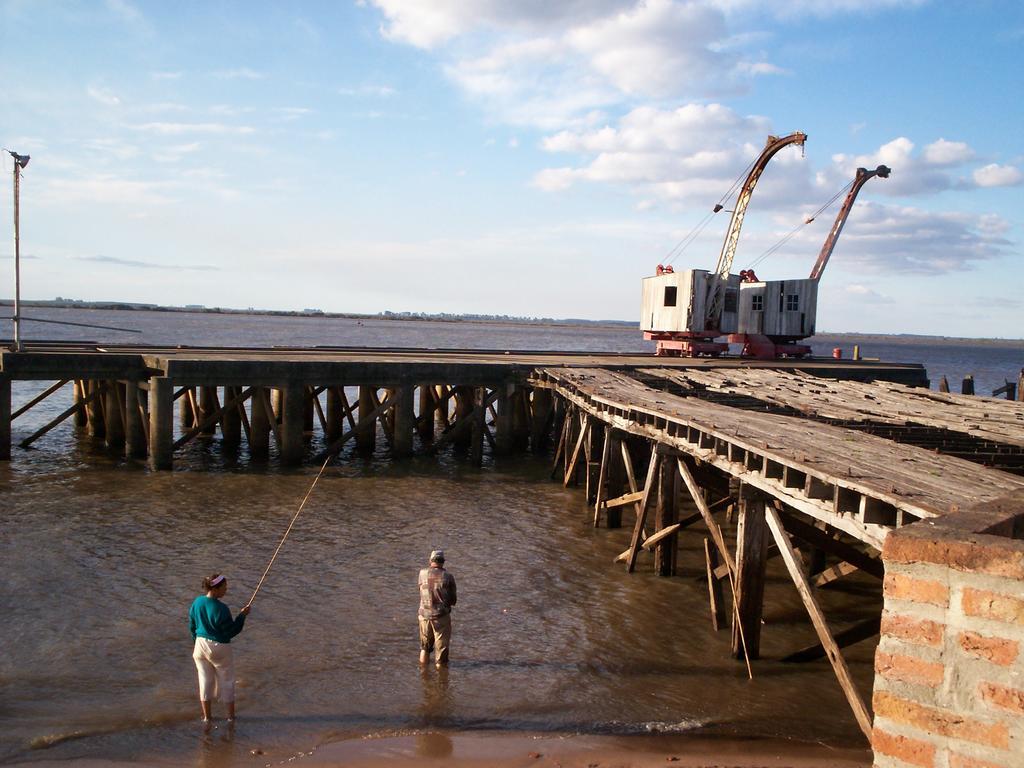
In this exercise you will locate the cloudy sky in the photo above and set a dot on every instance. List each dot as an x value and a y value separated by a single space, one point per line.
523 157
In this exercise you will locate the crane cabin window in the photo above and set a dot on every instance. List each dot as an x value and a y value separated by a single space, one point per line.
731 299
792 302
757 302
670 295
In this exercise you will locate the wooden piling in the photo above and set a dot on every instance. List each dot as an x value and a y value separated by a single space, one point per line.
751 558
425 416
615 483
505 406
335 414
540 422
666 513
5 418
134 427
943 384
207 405
231 419
161 422
521 418
259 424
113 415
464 403
293 420
186 413
81 418
366 432
478 426
443 406
404 421
967 387
94 411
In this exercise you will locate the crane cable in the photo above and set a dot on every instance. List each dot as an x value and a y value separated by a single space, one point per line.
789 236
694 233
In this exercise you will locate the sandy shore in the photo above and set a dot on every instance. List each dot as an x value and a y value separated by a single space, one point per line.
462 750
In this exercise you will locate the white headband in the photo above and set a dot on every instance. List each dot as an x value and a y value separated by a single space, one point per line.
217 581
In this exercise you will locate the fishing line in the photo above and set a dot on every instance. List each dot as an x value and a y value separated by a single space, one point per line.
289 529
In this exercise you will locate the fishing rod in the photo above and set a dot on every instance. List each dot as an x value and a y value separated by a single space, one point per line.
289 529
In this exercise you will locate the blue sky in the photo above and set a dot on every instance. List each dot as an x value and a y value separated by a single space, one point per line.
528 158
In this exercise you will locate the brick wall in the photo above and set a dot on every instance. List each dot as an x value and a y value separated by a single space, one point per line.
949 670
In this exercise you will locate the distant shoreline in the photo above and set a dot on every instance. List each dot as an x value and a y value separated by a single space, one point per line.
844 336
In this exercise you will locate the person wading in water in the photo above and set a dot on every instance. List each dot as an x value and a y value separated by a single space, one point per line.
437 598
212 628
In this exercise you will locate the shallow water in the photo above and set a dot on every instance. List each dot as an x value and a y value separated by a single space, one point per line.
101 559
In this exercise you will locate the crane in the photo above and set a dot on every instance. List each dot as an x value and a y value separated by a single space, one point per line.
862 177
689 327
775 314
716 288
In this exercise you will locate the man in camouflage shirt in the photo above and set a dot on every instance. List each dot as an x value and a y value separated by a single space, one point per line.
437 598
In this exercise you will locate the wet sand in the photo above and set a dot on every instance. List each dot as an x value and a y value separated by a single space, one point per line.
502 750
440 749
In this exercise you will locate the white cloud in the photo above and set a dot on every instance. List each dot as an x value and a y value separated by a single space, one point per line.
553 64
176 153
165 75
804 8
173 129
944 152
292 113
993 175
105 189
241 73
104 96
369 89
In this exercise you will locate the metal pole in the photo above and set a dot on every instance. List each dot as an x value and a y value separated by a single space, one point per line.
17 259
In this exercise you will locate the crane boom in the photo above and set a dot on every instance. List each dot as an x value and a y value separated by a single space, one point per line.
716 289
863 174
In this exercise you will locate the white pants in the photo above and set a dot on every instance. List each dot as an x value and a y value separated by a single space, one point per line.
216 667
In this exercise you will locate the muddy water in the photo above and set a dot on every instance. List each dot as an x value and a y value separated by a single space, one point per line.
100 560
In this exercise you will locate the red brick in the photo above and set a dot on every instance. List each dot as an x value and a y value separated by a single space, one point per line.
919 631
910 751
941 722
993 605
901 587
959 761
907 669
961 550
1011 699
995 649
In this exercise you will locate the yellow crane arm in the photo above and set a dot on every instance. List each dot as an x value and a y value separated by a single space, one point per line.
716 290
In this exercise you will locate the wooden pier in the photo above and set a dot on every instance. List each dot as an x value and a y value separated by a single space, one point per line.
818 461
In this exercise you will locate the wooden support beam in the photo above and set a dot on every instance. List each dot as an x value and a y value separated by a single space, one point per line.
113 416
570 467
268 412
213 417
615 482
134 431
833 573
819 538
853 696
5 418
505 405
751 559
425 418
405 421
333 420
713 528
862 630
478 425
641 518
231 417
715 596
561 447
349 408
666 512
602 474
207 406
161 422
366 428
319 409
95 394
540 421
94 410
444 395
293 423
337 445
81 392
39 398
464 403
259 424
522 418
593 448
625 499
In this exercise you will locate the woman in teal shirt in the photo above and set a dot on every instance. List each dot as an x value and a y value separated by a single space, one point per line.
212 628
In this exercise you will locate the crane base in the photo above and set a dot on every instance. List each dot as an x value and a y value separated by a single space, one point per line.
766 348
673 345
